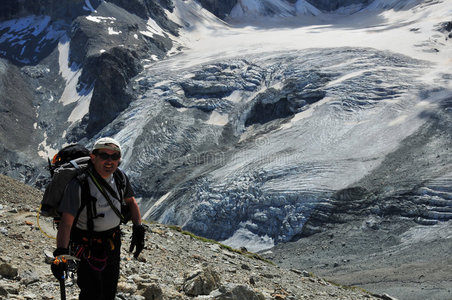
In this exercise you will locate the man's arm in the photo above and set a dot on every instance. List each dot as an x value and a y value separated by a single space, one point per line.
64 230
138 229
69 206
134 210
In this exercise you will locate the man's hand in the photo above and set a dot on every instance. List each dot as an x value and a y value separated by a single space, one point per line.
60 251
59 265
137 240
59 268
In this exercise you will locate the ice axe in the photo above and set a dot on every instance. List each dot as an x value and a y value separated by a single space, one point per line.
59 269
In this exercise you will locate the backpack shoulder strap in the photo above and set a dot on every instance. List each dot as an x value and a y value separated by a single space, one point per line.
85 201
100 183
121 181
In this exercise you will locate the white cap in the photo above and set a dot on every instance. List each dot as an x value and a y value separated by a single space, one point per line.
107 143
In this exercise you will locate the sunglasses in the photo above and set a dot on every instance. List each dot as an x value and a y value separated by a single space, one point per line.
105 156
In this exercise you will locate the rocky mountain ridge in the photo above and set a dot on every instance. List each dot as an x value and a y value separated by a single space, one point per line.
173 265
64 57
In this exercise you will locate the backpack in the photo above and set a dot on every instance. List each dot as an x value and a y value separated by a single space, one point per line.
73 162
69 162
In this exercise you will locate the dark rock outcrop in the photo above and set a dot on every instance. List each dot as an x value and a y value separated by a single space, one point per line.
328 5
31 39
294 97
220 8
68 9
112 71
146 9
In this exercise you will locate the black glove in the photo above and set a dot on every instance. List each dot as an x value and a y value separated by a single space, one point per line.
137 240
59 268
60 251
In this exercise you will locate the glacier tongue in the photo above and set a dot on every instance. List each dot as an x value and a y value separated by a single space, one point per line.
253 133
299 129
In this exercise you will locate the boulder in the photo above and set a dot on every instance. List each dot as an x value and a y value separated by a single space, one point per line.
8 271
153 292
201 282
233 291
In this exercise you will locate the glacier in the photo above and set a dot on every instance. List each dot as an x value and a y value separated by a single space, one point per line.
248 131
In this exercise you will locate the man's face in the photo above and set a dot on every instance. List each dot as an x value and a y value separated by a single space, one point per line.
104 163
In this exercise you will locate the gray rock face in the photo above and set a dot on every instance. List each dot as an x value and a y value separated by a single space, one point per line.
96 48
16 107
108 66
18 120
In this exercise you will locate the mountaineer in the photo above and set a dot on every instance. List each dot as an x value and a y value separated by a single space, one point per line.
92 208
